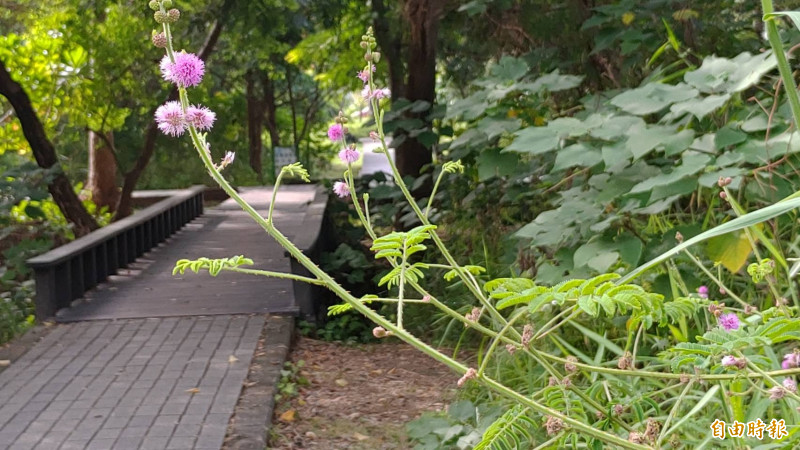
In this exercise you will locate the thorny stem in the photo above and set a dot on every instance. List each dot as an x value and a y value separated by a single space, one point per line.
433 193
713 278
267 273
768 377
519 314
674 411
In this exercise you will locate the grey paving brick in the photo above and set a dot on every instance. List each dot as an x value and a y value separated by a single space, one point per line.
128 443
155 443
142 421
123 385
185 429
108 433
181 443
161 430
101 444
116 422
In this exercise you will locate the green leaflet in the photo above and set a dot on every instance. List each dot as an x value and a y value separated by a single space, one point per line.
214 266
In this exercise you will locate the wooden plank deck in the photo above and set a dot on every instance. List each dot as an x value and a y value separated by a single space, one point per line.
148 289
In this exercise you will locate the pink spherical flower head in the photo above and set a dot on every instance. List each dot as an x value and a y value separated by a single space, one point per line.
349 155
341 189
364 74
336 132
186 71
729 321
790 360
702 291
201 117
728 361
170 119
381 93
790 385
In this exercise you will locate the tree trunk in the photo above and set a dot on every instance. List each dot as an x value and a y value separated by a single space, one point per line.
270 110
102 181
390 45
255 116
45 154
125 205
423 19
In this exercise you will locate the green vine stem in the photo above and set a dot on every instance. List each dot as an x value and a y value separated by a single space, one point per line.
713 278
268 273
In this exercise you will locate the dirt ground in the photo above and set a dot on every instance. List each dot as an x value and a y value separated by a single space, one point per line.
359 397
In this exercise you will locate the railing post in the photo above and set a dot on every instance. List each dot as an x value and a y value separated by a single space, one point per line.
63 279
89 259
112 260
76 278
46 303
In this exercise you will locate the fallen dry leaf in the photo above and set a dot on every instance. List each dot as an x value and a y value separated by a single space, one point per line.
288 416
232 359
341 382
360 436
193 390
5 362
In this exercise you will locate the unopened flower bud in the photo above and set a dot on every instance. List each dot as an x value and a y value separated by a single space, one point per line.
374 136
636 437
776 392
511 348
160 16
600 415
569 366
376 57
684 378
679 237
527 335
173 15
750 309
723 195
153 5
425 298
364 44
160 40
790 385
379 332
553 425
715 309
552 381
167 3
469 375
367 56
624 362
618 409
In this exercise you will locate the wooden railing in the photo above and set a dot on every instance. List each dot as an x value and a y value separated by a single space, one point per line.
313 238
65 273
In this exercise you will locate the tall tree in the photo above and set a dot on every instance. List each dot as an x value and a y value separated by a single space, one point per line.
45 154
102 178
423 18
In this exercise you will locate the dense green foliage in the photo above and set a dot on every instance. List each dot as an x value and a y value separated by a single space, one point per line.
594 138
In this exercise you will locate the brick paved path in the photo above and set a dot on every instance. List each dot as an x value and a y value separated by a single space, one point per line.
135 378
129 384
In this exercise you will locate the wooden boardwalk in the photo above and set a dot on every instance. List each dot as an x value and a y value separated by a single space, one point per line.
148 289
148 360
